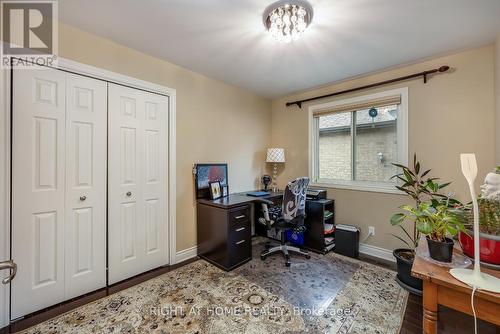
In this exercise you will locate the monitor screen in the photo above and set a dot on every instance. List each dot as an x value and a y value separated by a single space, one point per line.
206 173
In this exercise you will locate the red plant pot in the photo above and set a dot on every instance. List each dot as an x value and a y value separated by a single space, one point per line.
489 247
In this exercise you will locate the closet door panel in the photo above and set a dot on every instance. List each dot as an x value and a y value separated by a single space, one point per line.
38 179
86 127
137 191
155 177
125 173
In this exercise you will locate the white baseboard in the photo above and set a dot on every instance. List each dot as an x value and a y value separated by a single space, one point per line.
186 254
375 251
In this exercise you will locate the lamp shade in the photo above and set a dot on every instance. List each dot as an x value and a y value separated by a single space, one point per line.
275 155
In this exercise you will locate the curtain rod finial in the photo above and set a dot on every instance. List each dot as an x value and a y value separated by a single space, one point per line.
444 68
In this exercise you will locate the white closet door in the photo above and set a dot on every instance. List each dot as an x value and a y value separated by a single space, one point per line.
38 179
137 149
85 225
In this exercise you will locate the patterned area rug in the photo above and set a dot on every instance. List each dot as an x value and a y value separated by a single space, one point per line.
326 294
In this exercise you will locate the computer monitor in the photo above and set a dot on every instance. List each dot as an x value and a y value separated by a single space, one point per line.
206 173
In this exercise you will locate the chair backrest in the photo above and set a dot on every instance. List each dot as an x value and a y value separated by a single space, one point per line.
294 198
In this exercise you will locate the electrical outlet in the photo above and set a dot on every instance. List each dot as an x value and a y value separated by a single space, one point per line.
371 230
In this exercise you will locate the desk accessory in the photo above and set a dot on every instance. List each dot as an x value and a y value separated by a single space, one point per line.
266 181
474 277
215 190
258 193
275 155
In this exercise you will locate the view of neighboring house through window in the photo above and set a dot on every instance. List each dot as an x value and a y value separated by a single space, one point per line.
375 145
358 146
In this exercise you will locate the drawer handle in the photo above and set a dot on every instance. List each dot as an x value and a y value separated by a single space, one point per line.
83 198
240 229
129 193
240 242
240 217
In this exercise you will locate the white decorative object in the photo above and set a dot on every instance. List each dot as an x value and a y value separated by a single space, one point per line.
275 155
475 278
491 187
287 20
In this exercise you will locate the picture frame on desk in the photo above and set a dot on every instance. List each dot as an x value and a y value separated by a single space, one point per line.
225 191
215 190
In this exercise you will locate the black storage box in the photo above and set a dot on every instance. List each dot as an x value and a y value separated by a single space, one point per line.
347 240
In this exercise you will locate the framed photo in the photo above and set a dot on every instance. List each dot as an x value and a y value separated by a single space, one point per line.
206 173
225 191
215 190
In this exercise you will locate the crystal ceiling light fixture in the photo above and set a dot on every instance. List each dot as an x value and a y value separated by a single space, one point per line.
287 20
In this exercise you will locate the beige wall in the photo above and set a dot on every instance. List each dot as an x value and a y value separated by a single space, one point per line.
216 122
453 113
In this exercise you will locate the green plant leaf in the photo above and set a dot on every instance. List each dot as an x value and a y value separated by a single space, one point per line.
424 227
452 230
425 173
444 185
397 219
417 168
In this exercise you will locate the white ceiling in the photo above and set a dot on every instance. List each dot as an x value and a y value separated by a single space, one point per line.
226 40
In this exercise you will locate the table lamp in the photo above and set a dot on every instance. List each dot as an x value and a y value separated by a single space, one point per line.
275 155
474 277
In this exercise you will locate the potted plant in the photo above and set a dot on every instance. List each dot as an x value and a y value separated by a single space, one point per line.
419 186
489 223
438 220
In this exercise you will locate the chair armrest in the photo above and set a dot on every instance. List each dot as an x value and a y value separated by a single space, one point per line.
264 201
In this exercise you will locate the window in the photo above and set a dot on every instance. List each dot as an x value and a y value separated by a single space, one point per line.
355 141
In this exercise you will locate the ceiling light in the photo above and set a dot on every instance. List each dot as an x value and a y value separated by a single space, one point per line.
287 20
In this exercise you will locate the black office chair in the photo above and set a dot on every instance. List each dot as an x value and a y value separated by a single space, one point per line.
289 217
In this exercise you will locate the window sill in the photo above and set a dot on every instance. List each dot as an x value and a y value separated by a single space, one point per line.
368 187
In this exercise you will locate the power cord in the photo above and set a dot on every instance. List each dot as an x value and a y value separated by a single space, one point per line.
474 288
366 238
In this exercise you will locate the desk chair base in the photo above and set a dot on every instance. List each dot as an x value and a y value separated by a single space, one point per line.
285 250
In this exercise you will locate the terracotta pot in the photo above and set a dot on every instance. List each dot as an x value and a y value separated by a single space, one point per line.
489 246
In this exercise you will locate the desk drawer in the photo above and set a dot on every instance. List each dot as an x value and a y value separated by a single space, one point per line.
240 215
239 250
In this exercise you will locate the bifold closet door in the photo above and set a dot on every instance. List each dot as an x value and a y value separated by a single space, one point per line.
58 239
86 161
137 171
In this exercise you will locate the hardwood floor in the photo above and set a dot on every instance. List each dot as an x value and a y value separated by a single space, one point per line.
450 321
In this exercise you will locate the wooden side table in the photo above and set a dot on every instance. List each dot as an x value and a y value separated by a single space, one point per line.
440 288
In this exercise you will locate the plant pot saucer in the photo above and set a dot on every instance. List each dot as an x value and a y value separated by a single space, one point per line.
408 288
485 264
458 260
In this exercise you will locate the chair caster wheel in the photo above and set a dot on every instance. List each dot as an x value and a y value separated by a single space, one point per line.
262 257
287 264
308 256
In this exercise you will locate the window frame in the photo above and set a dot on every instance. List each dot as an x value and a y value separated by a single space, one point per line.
402 140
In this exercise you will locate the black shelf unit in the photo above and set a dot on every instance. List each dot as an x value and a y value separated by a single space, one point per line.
319 212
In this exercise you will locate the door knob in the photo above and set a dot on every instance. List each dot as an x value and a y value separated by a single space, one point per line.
129 193
8 265
83 198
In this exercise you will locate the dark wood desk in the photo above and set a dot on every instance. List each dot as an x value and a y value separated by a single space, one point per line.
224 229
443 289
